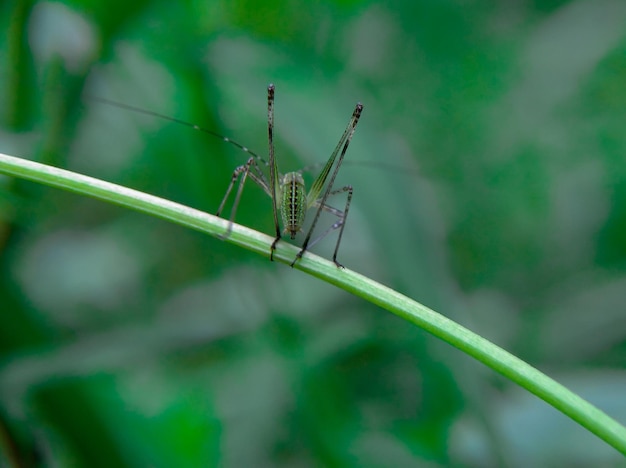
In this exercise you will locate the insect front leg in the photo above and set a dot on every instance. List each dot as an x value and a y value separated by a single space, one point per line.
241 173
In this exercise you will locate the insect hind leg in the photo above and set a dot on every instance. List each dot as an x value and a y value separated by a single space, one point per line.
339 224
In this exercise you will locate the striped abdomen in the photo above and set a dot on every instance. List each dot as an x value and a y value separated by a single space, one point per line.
292 202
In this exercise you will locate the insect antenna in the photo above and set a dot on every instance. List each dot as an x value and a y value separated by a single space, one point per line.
179 121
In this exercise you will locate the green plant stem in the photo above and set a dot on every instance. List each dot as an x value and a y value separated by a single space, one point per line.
486 352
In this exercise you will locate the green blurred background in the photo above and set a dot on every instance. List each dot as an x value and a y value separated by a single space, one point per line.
128 341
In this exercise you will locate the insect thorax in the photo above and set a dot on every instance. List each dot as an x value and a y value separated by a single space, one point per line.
292 202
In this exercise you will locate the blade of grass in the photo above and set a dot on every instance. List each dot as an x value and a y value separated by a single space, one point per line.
472 344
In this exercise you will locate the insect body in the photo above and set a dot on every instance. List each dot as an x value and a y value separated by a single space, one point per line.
287 192
292 196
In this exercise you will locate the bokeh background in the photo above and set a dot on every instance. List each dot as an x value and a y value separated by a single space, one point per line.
128 341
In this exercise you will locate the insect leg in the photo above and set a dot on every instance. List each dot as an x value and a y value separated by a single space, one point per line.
340 223
273 166
241 173
344 141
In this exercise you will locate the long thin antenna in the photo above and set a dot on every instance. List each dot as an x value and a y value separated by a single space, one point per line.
179 121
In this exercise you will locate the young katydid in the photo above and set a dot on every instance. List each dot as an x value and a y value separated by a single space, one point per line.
286 191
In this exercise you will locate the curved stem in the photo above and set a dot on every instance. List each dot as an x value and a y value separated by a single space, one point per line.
467 341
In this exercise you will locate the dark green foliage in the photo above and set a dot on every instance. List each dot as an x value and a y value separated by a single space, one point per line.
126 341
